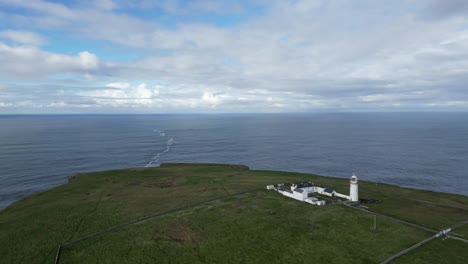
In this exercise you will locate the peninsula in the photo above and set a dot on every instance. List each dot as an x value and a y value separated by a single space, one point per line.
219 213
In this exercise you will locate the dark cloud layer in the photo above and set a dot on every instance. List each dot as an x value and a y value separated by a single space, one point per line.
443 9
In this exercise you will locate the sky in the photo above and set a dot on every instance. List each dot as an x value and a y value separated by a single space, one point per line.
225 56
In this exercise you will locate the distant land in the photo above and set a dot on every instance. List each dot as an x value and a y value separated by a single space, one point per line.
416 150
220 213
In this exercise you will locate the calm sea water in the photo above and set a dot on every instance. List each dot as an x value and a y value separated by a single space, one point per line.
423 150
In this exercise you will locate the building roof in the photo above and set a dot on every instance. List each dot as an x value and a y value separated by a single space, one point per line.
303 184
298 190
328 190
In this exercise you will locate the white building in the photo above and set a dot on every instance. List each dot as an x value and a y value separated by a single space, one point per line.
301 190
344 196
314 201
326 192
311 200
320 203
300 194
287 192
307 186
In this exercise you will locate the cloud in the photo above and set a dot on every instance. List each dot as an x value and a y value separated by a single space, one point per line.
396 97
88 61
107 5
121 93
25 61
212 99
119 85
192 7
125 91
448 103
443 9
22 37
291 56
47 7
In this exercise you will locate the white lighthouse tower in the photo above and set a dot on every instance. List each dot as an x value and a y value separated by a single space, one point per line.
353 189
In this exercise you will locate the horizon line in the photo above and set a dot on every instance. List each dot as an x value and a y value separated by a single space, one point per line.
233 113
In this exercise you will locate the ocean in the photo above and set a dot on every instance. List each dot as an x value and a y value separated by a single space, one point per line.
418 150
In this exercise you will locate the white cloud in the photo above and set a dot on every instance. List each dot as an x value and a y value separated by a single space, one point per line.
119 85
25 61
105 4
449 103
292 56
212 99
142 91
22 37
120 93
47 7
88 60
377 97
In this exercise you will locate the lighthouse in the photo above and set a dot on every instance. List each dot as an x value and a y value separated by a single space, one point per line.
353 189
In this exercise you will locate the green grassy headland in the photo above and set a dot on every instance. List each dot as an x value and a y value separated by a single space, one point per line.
255 227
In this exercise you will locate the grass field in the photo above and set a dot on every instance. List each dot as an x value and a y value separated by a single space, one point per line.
437 251
255 227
